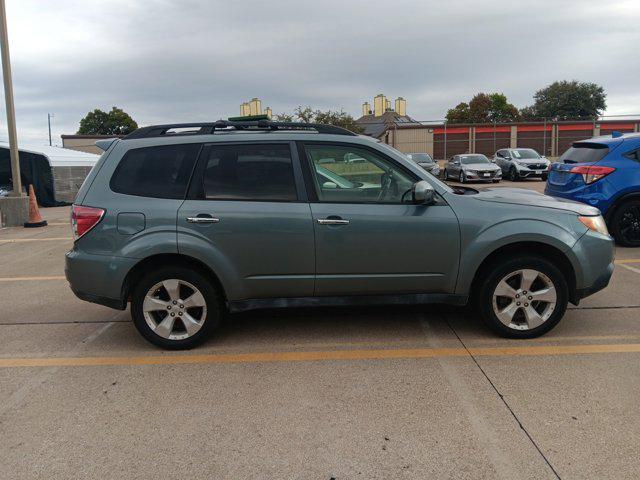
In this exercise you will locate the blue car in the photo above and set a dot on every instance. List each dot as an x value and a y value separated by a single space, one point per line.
603 172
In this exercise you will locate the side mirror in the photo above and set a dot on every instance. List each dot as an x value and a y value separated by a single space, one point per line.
507 157
456 162
422 193
329 186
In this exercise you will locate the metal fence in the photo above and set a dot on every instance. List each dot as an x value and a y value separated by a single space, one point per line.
549 137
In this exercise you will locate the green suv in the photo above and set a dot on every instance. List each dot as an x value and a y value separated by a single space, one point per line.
187 222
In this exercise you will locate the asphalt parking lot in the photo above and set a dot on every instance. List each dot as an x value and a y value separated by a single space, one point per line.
420 392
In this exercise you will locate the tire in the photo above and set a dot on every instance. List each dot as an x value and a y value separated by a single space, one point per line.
461 178
544 177
172 287
625 224
496 180
538 317
446 174
513 174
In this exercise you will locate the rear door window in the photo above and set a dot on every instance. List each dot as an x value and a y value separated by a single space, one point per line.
250 172
159 172
583 152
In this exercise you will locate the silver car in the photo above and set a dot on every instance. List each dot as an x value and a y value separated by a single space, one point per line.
425 161
517 163
472 167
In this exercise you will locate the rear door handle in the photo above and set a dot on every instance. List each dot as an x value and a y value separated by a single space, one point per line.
202 220
332 221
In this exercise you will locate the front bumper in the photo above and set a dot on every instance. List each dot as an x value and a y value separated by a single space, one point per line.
98 278
595 256
526 172
481 176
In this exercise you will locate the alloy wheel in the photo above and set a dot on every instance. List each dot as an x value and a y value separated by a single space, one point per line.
174 309
630 224
524 299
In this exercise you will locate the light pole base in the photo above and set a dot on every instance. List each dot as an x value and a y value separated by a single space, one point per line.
14 211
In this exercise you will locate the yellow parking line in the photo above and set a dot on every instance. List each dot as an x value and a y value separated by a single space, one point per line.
43 239
263 357
32 279
628 260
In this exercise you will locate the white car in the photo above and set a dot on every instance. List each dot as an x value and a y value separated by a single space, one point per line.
518 163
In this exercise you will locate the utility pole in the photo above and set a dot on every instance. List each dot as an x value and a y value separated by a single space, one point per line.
49 115
8 97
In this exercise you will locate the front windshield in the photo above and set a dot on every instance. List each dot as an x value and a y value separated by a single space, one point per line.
420 157
525 153
471 159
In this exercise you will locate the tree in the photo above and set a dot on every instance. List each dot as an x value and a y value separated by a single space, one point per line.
459 114
328 117
115 122
484 108
568 100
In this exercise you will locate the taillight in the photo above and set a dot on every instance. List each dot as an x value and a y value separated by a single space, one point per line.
592 174
84 219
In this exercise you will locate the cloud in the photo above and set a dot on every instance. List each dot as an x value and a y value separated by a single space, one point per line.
165 61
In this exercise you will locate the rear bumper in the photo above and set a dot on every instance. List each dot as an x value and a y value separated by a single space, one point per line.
98 278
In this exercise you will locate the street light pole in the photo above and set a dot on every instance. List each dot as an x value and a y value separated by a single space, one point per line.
8 97
49 115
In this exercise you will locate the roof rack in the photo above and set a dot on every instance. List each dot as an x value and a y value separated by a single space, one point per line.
226 125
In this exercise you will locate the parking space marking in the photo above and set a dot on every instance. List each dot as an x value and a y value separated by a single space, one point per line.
629 267
32 279
27 240
268 357
628 260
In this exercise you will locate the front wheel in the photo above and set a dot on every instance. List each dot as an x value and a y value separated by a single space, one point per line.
461 178
625 224
523 297
544 177
175 308
513 174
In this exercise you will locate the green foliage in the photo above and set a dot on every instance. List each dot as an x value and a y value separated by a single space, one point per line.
484 108
114 122
567 100
328 117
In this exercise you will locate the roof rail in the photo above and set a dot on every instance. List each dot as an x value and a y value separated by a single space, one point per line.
226 125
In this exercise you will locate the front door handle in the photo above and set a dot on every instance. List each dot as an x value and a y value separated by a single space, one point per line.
202 219
333 221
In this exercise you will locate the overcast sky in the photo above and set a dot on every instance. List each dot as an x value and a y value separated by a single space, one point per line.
175 61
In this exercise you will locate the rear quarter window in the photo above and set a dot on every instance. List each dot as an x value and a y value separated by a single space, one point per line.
583 152
158 172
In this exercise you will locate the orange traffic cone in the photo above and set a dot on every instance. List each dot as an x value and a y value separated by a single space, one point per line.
35 220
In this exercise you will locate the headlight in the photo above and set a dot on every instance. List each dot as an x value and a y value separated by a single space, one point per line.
596 224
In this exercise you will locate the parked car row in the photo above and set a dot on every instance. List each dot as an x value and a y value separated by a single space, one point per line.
512 163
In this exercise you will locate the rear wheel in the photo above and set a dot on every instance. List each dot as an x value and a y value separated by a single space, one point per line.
523 297
175 308
625 224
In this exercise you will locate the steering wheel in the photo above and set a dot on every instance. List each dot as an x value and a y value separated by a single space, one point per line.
385 187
